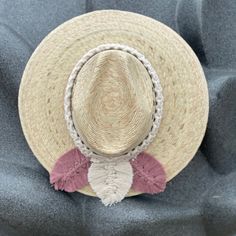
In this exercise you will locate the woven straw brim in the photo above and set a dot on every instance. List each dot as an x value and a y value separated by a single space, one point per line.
41 95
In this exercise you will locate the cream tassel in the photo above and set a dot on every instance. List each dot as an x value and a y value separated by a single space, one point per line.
111 180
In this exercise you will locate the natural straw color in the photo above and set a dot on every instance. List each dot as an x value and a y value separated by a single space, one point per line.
44 80
110 116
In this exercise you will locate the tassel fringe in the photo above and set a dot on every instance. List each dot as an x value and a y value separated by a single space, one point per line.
110 181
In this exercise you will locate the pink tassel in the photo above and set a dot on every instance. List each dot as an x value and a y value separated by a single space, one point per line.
70 172
149 175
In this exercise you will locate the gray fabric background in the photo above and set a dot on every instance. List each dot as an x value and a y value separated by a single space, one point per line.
200 201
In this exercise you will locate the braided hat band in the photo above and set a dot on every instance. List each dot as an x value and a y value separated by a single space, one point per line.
158 103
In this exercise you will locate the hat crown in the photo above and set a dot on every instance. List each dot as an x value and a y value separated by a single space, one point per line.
112 103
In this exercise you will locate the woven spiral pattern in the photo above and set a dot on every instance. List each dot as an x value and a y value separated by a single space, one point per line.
113 103
158 102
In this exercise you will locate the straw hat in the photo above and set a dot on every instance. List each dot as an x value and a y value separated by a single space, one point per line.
113 87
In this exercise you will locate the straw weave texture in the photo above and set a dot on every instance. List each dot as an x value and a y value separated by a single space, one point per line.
185 109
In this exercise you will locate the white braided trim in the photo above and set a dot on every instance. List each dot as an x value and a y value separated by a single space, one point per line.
158 103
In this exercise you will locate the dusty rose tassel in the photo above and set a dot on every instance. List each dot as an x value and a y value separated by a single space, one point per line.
70 172
149 175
